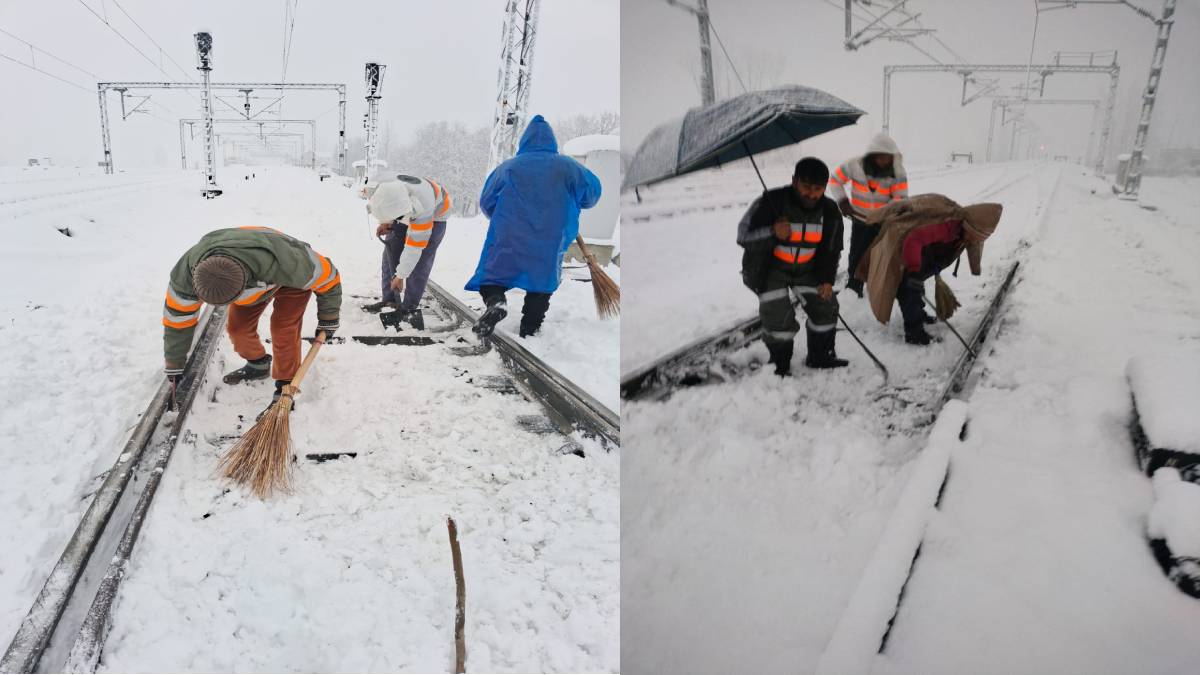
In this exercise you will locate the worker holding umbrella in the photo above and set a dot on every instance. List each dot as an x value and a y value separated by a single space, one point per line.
792 241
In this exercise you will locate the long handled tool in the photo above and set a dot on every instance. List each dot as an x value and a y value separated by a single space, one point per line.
262 457
947 322
879 364
608 294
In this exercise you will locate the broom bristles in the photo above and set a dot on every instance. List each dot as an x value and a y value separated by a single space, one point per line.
607 292
261 457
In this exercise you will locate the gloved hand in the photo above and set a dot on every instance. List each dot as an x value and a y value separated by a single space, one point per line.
329 326
174 375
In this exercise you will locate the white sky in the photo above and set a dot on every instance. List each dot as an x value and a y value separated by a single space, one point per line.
442 60
800 42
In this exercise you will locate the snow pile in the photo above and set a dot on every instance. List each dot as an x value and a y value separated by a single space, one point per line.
1175 517
1166 387
857 636
580 146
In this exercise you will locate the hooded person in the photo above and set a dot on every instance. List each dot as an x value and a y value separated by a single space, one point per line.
863 185
411 213
533 202
918 238
249 268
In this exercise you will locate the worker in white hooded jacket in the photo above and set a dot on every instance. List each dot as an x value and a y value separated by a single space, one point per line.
411 213
863 184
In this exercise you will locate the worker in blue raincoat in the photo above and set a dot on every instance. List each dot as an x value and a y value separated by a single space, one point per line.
533 201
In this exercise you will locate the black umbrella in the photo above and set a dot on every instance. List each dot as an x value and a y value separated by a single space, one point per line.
739 127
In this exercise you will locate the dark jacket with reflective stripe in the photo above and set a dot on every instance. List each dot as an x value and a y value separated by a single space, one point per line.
757 238
271 259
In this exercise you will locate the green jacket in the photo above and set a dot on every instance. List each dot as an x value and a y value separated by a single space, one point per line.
272 260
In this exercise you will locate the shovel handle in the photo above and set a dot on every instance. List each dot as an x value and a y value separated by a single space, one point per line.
294 386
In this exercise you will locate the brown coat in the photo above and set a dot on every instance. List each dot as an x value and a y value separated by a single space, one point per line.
882 266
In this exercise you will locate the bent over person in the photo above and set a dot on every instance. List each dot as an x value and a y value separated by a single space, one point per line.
249 268
792 238
411 213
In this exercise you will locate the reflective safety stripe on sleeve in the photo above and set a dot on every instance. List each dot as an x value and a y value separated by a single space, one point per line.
253 295
409 241
181 324
178 303
420 227
337 279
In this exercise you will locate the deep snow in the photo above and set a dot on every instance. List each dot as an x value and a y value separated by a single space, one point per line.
352 572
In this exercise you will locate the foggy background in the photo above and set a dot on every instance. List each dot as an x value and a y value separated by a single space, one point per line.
442 61
775 42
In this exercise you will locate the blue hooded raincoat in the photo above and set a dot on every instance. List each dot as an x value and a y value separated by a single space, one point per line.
533 201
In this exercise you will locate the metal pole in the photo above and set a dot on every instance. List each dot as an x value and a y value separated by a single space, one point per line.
204 65
1106 130
1134 180
342 129
182 148
887 96
991 129
107 140
707 94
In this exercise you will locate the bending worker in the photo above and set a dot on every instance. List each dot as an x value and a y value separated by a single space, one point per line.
249 268
411 213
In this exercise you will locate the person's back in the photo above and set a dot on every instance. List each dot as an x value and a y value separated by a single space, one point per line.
533 201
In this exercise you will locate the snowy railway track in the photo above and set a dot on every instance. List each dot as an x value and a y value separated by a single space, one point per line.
80 588
23 206
70 619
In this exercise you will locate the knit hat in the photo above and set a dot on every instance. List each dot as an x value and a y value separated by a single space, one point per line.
812 171
390 201
218 279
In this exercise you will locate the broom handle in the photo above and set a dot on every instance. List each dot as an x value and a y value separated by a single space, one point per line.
308 359
583 248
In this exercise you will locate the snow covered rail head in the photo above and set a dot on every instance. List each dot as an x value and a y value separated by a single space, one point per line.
95 556
569 407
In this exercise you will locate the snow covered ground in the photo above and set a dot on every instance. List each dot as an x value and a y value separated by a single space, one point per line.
1037 560
749 524
353 571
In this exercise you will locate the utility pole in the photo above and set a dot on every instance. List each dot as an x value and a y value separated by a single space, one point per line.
204 65
374 78
1133 175
1133 180
515 78
707 92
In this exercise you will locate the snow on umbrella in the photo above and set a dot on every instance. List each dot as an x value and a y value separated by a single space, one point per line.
729 130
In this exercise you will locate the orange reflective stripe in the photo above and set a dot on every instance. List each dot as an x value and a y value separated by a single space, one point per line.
421 227
337 279
409 241
326 270
898 186
812 237
798 259
445 205
180 324
181 308
841 175
865 205
252 299
860 187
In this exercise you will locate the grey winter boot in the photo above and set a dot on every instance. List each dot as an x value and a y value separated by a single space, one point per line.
253 370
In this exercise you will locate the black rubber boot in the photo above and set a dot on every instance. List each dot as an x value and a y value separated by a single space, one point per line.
495 313
781 356
917 336
820 350
253 370
929 320
279 384
855 285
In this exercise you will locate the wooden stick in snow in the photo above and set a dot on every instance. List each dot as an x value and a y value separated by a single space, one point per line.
460 615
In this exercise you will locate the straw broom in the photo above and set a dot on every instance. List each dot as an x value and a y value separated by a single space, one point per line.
607 292
262 456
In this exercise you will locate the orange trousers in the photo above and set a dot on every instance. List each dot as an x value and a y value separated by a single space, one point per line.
287 317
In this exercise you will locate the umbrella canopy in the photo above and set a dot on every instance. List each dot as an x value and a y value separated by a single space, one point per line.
729 130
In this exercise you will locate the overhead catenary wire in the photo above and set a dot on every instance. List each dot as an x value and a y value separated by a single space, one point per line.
56 58
48 74
721 42
161 51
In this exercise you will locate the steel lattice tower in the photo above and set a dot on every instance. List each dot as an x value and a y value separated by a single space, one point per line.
515 78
